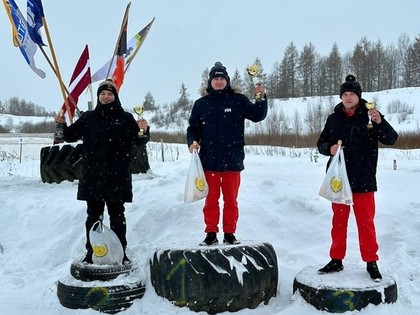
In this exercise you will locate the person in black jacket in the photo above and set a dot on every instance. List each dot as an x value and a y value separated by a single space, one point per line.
108 133
216 128
350 123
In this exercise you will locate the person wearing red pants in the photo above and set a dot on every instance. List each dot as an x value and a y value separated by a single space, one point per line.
350 123
216 130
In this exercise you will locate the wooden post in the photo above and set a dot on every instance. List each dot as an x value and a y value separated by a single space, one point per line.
161 146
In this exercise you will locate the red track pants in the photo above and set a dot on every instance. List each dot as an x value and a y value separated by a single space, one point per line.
364 212
227 183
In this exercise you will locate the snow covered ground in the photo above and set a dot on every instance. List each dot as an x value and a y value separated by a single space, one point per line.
42 225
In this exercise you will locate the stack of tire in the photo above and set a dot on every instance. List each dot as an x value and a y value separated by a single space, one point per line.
105 288
63 162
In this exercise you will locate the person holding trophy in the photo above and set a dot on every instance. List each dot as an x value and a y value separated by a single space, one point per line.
108 133
361 127
216 131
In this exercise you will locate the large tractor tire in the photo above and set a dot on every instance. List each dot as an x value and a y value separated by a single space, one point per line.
347 290
218 278
63 162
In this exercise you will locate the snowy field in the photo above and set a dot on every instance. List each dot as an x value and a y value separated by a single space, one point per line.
42 225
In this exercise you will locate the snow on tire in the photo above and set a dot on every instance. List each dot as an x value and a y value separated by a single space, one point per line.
91 272
347 290
104 297
218 278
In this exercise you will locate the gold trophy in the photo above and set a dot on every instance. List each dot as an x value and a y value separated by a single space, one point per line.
139 111
253 71
370 105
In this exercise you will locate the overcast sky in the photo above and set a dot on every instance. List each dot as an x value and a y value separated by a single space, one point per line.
188 36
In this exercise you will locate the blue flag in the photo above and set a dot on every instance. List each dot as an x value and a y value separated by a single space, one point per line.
35 15
21 36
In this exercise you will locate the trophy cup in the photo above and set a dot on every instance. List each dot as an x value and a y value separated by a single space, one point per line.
139 111
253 71
370 105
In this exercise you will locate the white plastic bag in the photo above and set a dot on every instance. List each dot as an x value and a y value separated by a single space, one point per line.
196 187
107 248
336 185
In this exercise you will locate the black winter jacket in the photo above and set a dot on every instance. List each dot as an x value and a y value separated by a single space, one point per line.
217 123
108 133
360 144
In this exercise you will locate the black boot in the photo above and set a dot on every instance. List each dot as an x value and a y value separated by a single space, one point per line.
125 260
211 239
88 258
335 265
230 239
372 269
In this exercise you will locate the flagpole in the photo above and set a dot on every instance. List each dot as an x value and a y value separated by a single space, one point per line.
61 82
141 43
124 22
14 30
57 69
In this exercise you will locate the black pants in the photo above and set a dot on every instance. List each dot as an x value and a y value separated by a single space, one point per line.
95 212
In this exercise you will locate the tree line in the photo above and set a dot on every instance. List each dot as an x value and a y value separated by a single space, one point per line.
376 67
298 74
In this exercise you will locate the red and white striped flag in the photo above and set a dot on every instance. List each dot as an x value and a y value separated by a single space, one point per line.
79 81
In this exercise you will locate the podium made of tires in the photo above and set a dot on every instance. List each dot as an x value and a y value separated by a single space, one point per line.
99 287
347 290
217 278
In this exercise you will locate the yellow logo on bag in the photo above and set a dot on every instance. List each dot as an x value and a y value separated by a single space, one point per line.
100 250
336 184
199 183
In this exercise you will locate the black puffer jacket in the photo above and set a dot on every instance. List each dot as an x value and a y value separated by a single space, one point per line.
360 144
217 123
108 133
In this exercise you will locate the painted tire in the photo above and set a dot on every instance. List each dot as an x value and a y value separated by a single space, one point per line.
348 290
107 299
63 162
218 278
86 272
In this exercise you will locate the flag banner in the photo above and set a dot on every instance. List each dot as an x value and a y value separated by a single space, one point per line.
118 75
133 47
35 13
21 37
79 81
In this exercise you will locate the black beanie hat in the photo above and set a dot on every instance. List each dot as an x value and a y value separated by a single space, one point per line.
217 71
108 85
351 85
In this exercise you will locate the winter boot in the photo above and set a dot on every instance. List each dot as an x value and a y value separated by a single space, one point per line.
335 265
88 258
230 239
125 260
211 239
372 269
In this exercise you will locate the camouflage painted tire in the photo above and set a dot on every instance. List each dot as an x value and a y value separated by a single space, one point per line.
104 298
218 278
348 290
